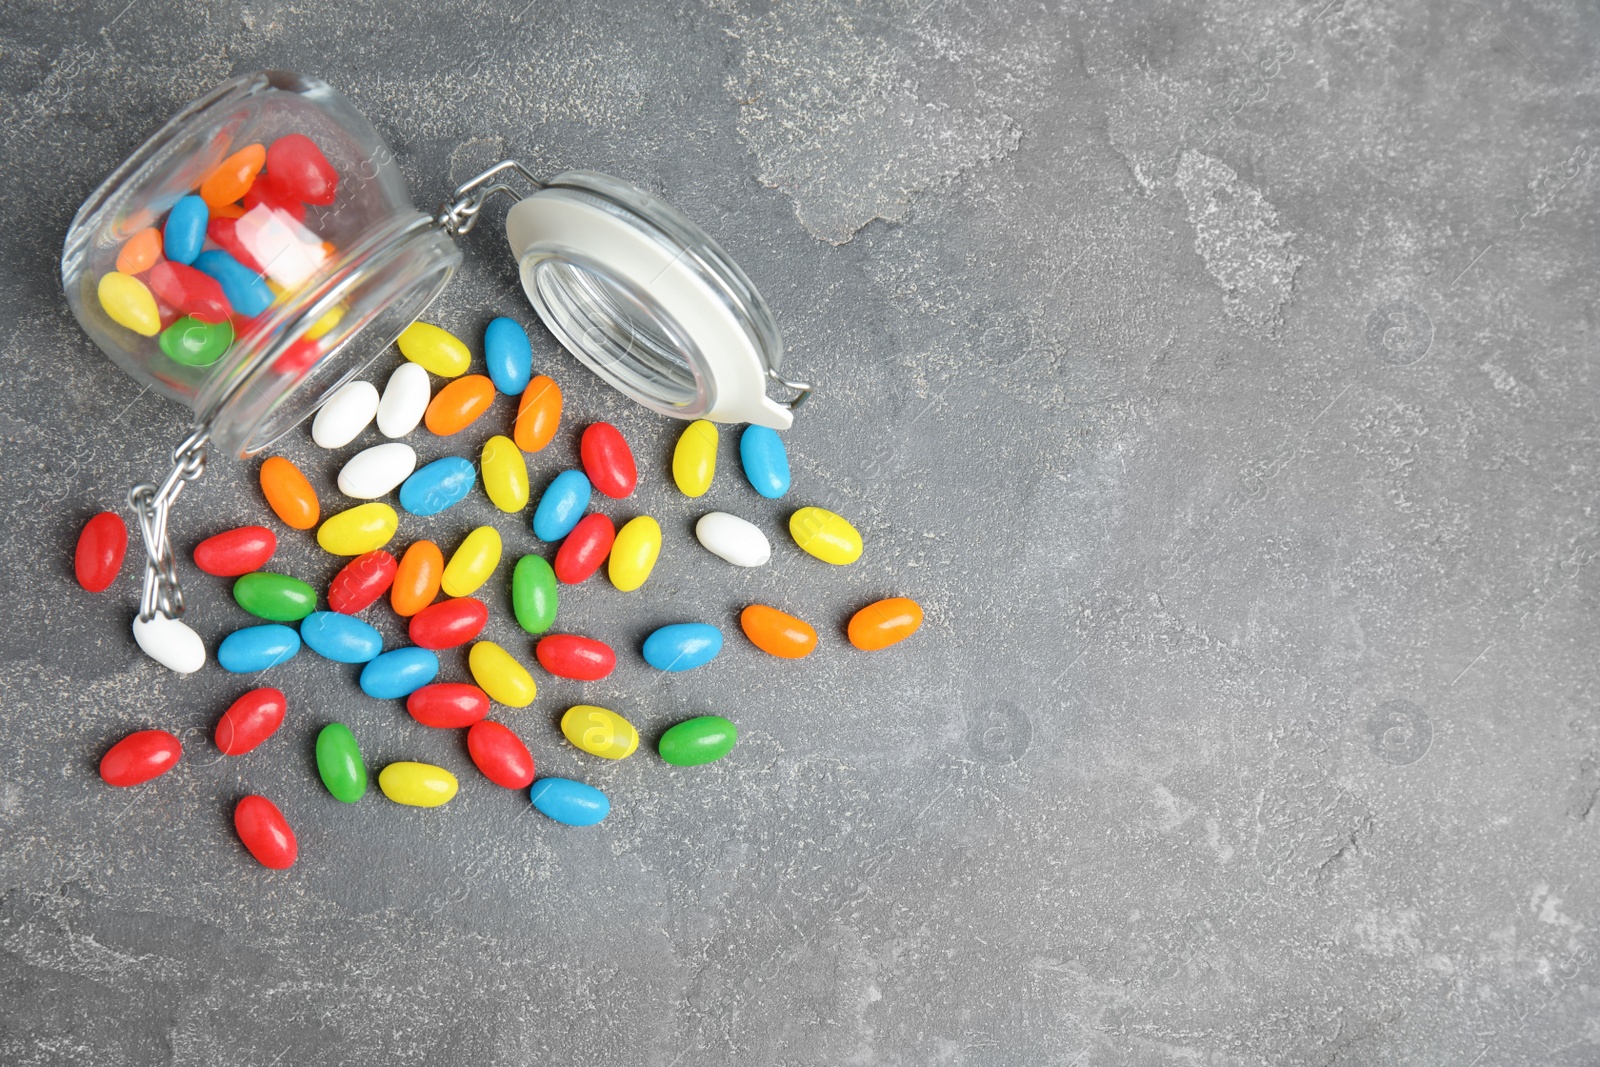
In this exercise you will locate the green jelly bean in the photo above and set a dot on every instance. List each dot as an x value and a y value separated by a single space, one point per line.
195 343
339 763
696 741
533 594
275 597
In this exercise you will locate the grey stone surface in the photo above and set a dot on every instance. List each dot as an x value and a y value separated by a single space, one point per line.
1220 376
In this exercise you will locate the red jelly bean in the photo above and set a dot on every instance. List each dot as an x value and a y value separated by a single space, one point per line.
265 832
449 623
299 357
189 291
265 193
225 232
250 720
298 168
140 757
235 552
608 461
102 544
585 548
581 658
448 705
500 754
362 581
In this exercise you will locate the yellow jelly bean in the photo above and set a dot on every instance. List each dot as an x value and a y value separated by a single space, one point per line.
599 732
505 474
694 461
129 303
328 321
634 553
472 563
358 530
434 350
500 675
420 785
825 535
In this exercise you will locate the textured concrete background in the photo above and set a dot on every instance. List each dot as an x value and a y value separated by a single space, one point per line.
1219 376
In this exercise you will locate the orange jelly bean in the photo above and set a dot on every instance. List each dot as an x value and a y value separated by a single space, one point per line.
289 494
884 623
227 211
416 582
777 633
458 405
538 414
234 176
140 252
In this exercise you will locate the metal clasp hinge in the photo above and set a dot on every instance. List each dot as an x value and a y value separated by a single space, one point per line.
803 390
460 214
152 505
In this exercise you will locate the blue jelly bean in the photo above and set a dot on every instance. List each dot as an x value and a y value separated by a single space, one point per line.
255 648
765 461
341 638
561 506
185 232
509 355
682 646
441 484
242 286
399 673
569 802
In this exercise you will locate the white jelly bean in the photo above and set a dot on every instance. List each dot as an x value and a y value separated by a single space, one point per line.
405 399
735 540
376 471
170 643
345 415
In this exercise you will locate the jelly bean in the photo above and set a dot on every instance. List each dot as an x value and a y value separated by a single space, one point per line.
288 493
500 755
561 506
358 530
250 720
442 484
129 303
345 414
884 622
399 673
102 545
299 357
533 594
765 461
825 535
449 624
500 675
405 399
234 176
361 582
416 583
608 461
704 739
224 233
339 763
189 292
599 731
694 460
634 553
227 211
194 343
508 354
458 405
170 643
777 633
257 648
341 638
472 563
243 287
185 231
582 659
139 252
736 540
376 471
235 552
682 646
417 785
585 548
275 597
278 202
299 169
569 803
505 474
265 832
448 705
436 351
140 757
327 321
538 414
